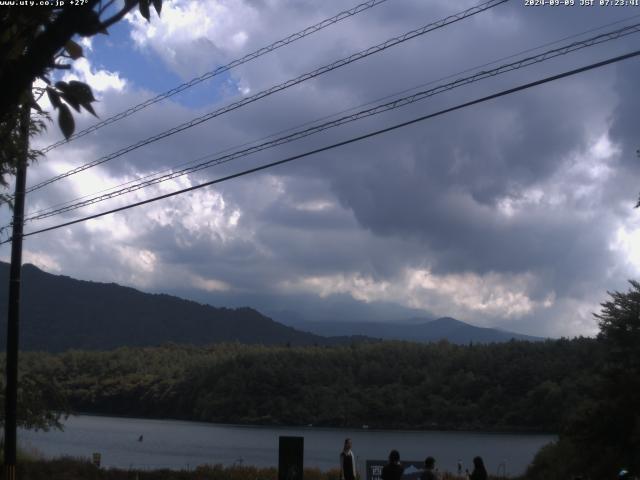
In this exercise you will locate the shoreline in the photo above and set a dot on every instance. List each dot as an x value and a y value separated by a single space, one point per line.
442 429
173 444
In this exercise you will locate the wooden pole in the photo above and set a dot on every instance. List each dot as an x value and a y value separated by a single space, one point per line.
13 316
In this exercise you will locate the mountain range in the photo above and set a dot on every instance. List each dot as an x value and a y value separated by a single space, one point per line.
414 329
60 313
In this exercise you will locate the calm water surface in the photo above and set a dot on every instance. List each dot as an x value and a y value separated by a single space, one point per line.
183 445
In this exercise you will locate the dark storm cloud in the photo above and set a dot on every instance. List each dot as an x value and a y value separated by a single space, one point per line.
624 187
506 192
454 177
476 158
277 240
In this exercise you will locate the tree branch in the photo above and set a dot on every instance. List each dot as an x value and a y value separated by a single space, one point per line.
117 17
105 7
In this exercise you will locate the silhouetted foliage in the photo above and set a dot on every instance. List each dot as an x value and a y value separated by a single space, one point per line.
602 433
42 401
35 42
560 460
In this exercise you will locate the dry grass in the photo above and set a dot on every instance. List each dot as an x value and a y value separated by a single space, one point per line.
68 468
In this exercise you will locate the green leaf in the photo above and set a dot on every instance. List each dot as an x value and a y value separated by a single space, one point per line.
157 4
35 105
81 91
71 100
68 96
90 109
144 9
54 97
73 49
66 122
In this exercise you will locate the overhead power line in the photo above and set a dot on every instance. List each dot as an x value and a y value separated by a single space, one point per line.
219 70
400 102
345 142
333 115
282 86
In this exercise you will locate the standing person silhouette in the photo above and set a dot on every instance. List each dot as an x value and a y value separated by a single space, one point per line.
393 470
479 472
429 467
347 462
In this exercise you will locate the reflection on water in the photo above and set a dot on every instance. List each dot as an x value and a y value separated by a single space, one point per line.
140 443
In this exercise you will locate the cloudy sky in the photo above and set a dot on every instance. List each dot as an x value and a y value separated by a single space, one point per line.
516 213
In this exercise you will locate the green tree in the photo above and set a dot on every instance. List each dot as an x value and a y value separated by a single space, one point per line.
619 323
35 42
42 398
603 433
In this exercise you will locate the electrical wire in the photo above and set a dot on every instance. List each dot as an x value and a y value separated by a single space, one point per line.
345 142
282 86
219 70
326 117
401 102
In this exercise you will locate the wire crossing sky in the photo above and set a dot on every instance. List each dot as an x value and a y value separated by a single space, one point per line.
282 86
171 171
222 69
346 142
398 103
485 214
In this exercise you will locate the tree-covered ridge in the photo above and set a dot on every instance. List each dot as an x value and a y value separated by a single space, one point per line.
510 386
61 313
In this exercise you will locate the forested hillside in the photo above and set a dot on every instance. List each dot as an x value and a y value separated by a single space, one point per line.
60 312
510 386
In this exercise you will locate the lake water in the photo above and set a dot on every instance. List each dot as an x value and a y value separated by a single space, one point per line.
184 445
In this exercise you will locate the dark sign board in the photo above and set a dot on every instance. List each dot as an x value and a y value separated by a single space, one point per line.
290 458
412 470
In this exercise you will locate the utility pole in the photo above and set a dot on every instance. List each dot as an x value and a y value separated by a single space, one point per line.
13 316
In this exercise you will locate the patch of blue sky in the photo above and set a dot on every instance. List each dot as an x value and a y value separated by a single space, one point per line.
210 92
116 52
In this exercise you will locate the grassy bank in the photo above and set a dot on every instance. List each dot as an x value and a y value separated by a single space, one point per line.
78 469
66 468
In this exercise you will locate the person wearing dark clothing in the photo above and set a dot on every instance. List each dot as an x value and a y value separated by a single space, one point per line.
479 472
393 470
347 462
429 466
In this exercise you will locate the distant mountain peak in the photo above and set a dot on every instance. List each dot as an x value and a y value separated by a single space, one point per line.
60 312
416 329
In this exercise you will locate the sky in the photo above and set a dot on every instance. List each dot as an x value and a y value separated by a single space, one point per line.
517 213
